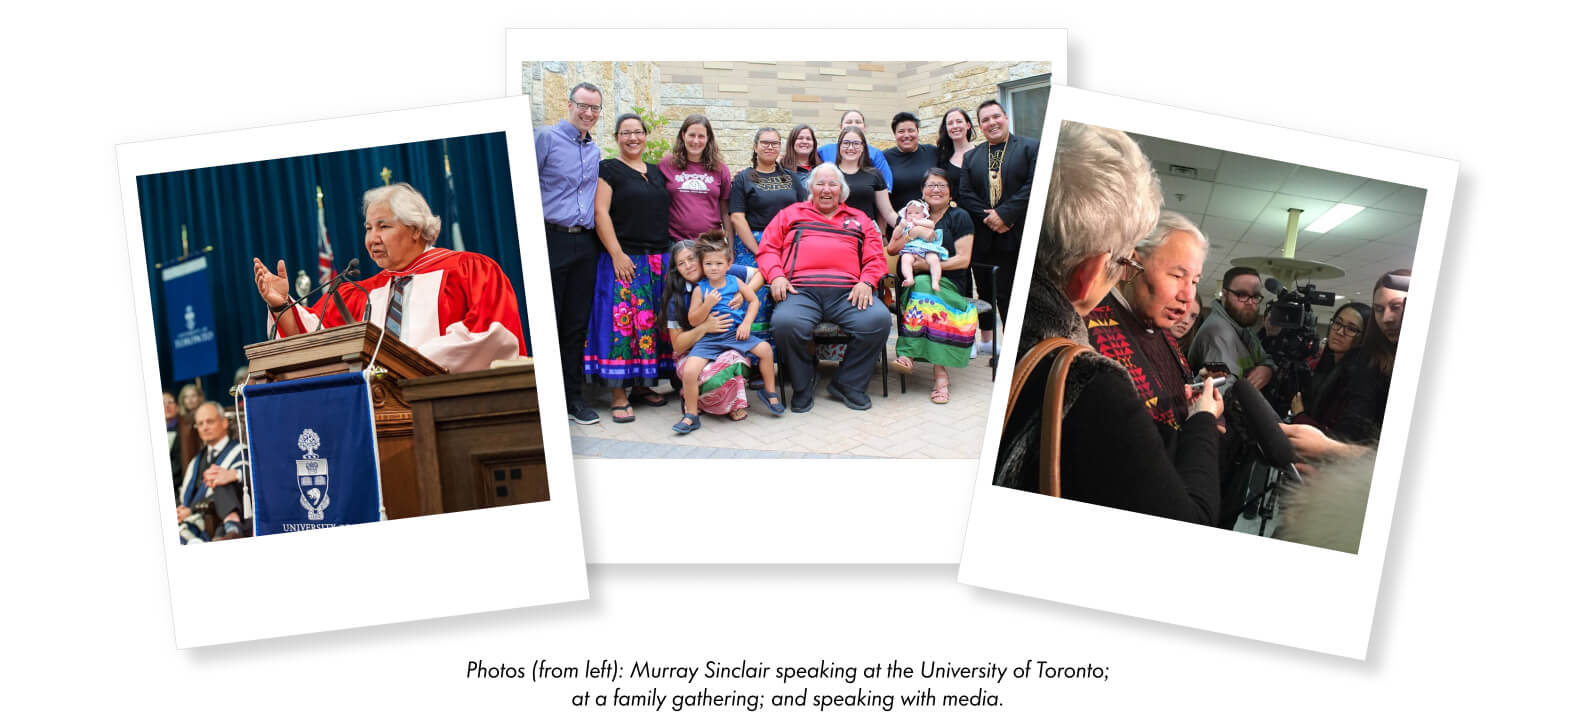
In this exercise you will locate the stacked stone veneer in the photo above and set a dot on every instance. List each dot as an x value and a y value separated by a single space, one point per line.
740 97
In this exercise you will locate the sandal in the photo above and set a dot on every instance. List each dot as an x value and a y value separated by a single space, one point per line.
774 402
738 414
941 393
903 365
648 397
687 424
616 409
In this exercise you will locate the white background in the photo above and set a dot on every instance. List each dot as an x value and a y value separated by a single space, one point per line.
1473 611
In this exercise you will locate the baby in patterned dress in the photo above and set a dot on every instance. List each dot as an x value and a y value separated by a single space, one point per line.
924 242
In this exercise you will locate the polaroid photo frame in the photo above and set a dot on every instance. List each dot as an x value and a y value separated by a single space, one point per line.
1193 575
384 572
801 510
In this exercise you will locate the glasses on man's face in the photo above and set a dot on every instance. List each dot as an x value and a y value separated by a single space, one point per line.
852 144
631 133
1349 330
1243 296
585 107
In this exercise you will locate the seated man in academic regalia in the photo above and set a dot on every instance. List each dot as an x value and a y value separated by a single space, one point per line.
456 308
213 479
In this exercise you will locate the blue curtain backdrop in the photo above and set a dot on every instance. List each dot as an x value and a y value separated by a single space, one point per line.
269 210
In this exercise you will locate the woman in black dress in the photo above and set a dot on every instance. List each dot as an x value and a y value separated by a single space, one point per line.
955 140
867 191
800 155
758 193
909 160
624 347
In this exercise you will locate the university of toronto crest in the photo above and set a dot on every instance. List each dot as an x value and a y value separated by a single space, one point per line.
312 475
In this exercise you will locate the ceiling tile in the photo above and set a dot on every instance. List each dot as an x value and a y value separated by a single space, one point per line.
1406 236
1194 194
1252 172
1405 200
1237 203
1371 193
1321 184
1162 153
1223 232
1326 245
1373 224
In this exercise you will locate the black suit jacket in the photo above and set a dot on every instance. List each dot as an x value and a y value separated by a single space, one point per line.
1017 175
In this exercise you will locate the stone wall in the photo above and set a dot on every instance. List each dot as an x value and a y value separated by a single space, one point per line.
740 97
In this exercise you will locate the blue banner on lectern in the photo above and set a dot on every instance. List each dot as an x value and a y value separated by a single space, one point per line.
314 453
188 318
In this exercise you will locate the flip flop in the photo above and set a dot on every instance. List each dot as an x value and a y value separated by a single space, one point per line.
774 402
942 393
687 424
899 366
648 397
614 411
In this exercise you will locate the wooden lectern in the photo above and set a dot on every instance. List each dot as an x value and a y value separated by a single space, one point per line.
443 439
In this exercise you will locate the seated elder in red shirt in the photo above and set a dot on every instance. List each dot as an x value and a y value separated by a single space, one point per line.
824 260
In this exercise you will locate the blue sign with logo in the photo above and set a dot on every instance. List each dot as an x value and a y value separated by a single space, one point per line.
188 319
313 445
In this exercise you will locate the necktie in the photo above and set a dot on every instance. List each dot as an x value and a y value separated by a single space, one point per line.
397 305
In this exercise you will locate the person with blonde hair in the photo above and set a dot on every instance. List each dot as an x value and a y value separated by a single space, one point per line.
456 308
1104 200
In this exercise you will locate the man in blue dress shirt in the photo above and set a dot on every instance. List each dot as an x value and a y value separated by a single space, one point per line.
566 162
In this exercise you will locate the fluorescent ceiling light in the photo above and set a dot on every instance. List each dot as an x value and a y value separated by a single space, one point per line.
1334 216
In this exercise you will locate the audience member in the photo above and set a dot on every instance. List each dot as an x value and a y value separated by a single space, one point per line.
214 477
1226 335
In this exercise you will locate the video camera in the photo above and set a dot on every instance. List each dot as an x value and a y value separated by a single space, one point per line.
1293 307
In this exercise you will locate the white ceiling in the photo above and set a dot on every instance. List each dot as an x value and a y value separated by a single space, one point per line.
1240 203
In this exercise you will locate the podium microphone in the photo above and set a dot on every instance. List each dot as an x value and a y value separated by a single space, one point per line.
353 271
332 285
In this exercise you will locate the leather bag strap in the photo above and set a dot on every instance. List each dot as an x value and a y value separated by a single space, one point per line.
1061 352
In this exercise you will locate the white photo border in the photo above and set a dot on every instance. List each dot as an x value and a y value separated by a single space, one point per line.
375 573
1149 567
778 511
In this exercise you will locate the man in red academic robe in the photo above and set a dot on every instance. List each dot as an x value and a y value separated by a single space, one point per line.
457 308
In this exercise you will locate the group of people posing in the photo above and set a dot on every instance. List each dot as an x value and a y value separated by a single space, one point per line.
1140 424
685 270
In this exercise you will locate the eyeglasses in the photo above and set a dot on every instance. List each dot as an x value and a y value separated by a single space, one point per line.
593 109
1344 328
1250 298
937 186
770 143
631 133
852 143
1131 264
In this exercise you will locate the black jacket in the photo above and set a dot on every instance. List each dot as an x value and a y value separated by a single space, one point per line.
1017 175
1111 453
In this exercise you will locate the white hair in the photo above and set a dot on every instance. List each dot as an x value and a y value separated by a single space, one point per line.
408 206
1170 221
1104 198
836 172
